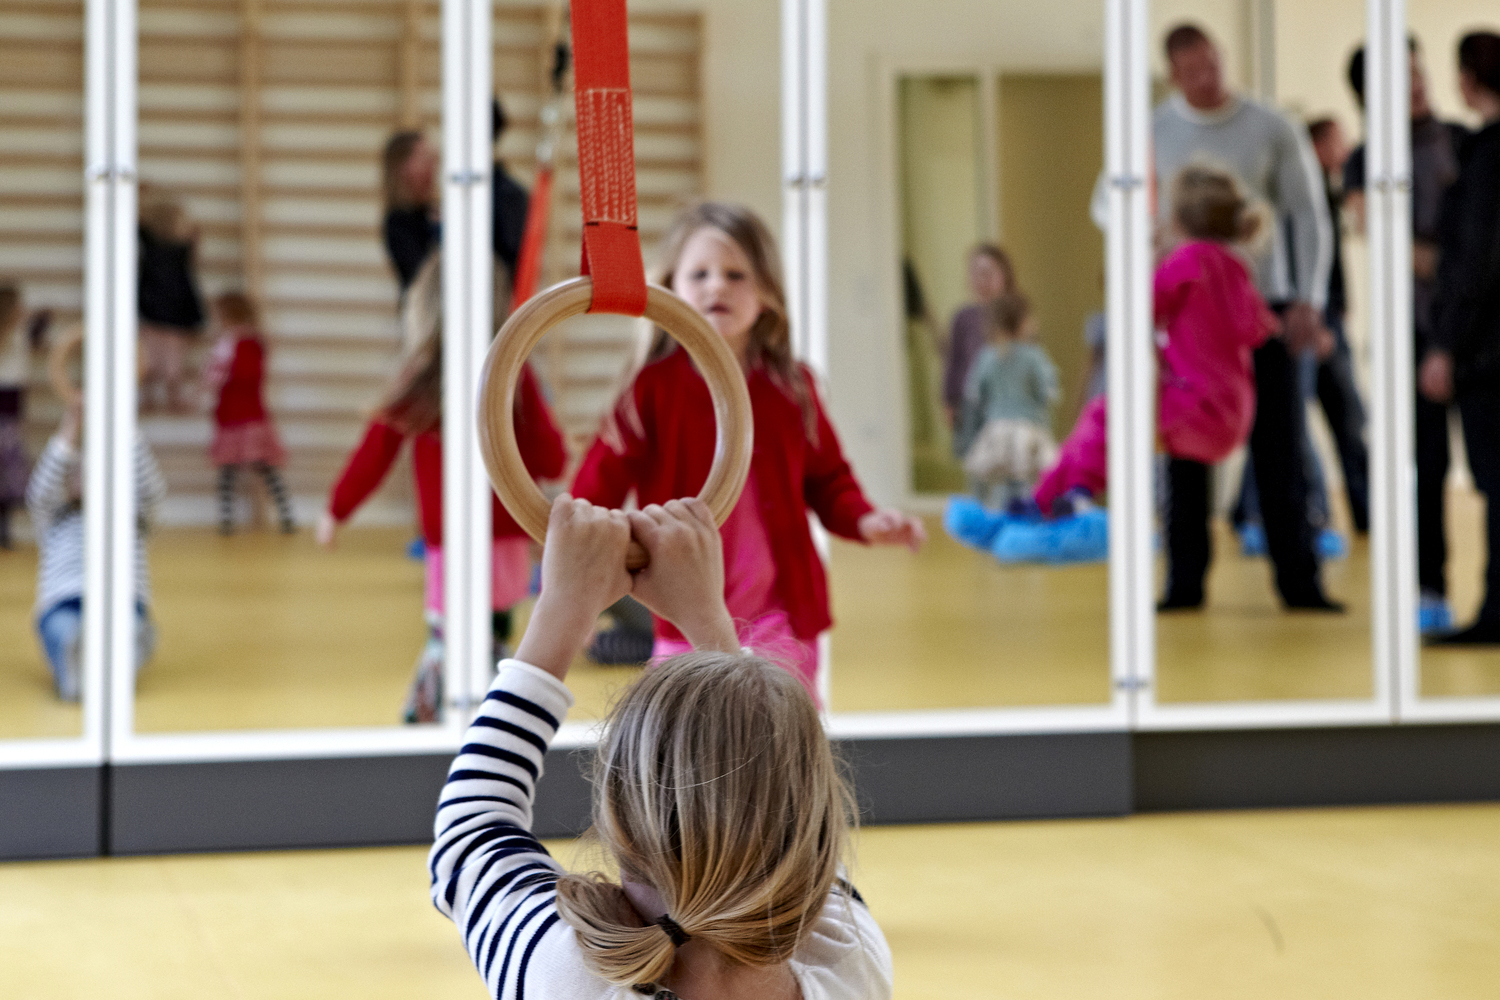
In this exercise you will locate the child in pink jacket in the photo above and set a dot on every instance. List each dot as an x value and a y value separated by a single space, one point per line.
1213 319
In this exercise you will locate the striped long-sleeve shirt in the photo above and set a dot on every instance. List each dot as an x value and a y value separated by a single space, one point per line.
499 884
57 520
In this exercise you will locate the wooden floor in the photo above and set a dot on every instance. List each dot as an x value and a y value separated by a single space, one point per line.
260 631
1378 904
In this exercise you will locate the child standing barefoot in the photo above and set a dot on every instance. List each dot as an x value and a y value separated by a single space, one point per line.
659 443
243 432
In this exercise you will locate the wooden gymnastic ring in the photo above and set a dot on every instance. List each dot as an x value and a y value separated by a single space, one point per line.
733 442
68 343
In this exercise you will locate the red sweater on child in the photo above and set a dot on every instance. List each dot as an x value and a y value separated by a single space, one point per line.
537 432
666 455
240 391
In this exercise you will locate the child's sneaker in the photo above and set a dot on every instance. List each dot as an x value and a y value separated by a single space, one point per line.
70 678
1434 614
416 548
1252 540
1075 501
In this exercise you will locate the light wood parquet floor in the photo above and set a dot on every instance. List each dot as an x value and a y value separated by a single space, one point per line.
1379 904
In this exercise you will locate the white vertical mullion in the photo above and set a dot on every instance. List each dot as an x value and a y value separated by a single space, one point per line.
480 274
1128 331
116 351
457 306
466 310
1397 679
815 99
794 169
98 196
1383 461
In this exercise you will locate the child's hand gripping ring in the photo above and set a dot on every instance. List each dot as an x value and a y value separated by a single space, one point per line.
733 443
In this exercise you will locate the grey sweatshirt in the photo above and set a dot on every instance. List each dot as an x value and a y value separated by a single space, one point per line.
1274 159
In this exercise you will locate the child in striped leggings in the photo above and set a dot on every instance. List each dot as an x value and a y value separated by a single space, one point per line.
243 432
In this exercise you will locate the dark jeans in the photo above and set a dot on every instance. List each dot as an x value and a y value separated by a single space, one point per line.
1432 473
1275 445
1189 547
1480 410
1339 397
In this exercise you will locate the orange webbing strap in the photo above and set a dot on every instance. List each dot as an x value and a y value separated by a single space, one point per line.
533 240
606 157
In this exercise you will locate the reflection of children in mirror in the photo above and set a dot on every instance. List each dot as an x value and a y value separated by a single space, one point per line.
16 346
1004 430
659 442
243 432
54 499
1213 318
171 309
991 275
413 409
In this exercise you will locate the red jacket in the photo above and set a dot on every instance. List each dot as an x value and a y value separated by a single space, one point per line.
541 449
239 391
668 453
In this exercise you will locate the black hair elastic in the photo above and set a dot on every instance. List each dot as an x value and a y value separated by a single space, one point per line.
674 931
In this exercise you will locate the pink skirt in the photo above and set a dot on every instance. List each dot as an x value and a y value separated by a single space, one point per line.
770 637
510 573
249 443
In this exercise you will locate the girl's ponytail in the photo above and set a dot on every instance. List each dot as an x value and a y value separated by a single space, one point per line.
716 788
617 945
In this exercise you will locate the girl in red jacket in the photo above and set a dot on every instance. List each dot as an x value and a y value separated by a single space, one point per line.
413 408
243 432
659 443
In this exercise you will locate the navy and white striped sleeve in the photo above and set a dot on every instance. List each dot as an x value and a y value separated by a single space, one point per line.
47 489
489 874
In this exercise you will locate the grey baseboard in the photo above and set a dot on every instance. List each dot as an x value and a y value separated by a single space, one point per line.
1274 768
51 812
337 802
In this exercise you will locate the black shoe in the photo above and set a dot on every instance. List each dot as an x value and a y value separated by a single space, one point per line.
621 647
1180 602
1314 602
1481 633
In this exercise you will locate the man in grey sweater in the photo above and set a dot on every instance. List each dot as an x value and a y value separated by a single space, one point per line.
1273 159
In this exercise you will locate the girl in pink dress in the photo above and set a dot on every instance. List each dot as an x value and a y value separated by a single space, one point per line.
1211 318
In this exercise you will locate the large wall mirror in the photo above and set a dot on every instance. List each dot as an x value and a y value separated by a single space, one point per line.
950 187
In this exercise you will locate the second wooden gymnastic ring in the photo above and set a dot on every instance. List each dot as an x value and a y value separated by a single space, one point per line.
733 442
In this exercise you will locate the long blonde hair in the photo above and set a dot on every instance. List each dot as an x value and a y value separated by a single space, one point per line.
714 785
771 335
414 402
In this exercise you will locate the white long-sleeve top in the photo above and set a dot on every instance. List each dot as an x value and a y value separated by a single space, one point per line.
57 520
499 884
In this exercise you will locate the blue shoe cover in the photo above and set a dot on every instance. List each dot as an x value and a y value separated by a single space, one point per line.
969 521
1434 616
1083 537
1331 545
1252 540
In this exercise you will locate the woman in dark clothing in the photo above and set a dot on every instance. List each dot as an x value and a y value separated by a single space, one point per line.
1464 361
167 299
409 167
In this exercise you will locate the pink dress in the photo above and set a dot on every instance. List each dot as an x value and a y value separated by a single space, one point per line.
750 594
1214 319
